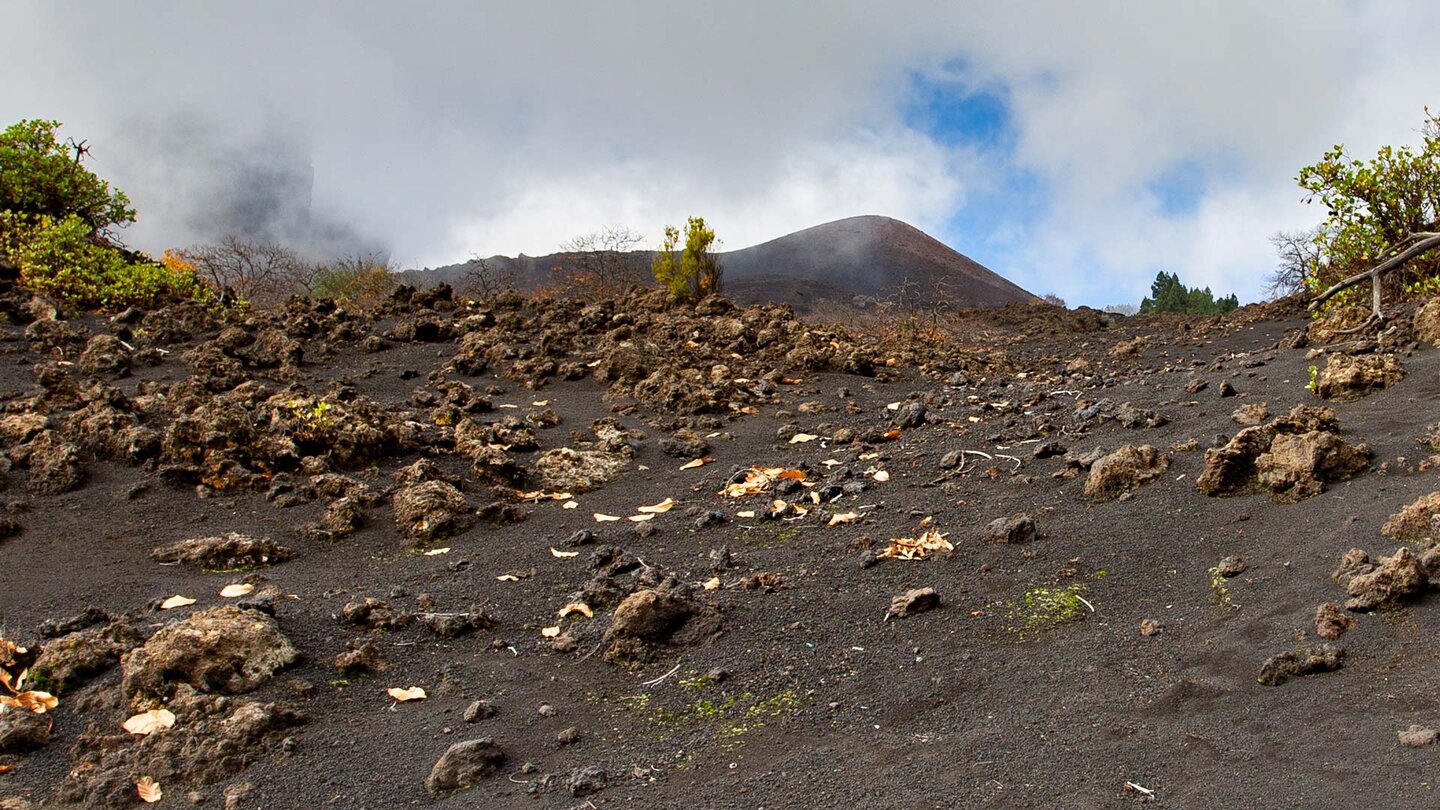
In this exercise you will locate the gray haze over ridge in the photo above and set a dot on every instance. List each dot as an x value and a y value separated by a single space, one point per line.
1073 148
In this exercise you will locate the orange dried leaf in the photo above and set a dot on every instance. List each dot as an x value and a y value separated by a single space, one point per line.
149 790
405 695
6 768
699 462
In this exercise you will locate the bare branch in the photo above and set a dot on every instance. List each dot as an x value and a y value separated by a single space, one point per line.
1419 244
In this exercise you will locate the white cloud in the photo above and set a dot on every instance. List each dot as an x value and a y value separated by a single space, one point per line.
446 129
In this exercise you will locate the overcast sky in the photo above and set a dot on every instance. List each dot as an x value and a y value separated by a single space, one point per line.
1075 148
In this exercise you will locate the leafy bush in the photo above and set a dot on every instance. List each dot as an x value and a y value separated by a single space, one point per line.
54 218
1371 206
361 281
1167 294
697 272
63 259
41 177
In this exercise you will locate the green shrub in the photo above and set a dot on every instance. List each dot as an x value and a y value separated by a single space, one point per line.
65 260
39 176
1372 205
361 281
695 273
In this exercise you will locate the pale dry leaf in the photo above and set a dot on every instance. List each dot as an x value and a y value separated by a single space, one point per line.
830 462
540 403
576 607
146 723
882 476
712 584
659 508
844 517
435 552
508 578
603 518
148 790
550 632
699 462
801 438
569 505
176 601
640 518
235 589
555 552
747 514
408 694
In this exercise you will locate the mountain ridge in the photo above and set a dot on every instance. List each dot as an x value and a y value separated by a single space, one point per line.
856 262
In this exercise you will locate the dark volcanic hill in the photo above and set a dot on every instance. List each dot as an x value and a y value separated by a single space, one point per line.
854 261
870 257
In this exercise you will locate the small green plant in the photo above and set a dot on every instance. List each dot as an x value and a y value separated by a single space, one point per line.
1427 287
1041 607
1313 386
1219 591
695 273
316 417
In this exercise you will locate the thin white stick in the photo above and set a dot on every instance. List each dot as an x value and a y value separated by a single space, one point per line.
657 681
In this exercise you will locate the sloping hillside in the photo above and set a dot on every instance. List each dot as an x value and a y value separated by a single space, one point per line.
852 261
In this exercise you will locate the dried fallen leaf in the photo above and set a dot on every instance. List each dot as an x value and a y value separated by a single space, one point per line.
37 702
235 589
550 632
540 403
601 518
882 476
176 601
435 552
148 790
830 462
569 505
801 438
758 480
6 768
508 578
844 517
576 607
640 518
699 462
915 548
659 508
892 435
555 552
748 513
712 584
404 695
146 723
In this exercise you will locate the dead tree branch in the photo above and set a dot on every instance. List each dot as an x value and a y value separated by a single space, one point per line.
1418 244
